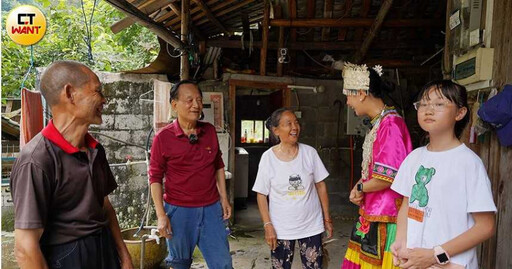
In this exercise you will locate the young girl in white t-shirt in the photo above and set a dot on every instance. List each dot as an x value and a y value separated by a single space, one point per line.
448 208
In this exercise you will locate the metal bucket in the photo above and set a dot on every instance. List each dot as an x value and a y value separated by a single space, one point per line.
153 253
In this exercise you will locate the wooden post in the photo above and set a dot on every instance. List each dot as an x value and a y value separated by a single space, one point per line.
447 59
279 13
232 124
292 15
264 38
185 17
176 9
374 30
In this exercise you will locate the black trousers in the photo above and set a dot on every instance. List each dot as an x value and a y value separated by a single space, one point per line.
96 251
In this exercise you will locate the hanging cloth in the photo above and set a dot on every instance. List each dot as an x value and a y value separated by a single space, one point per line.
31 115
161 105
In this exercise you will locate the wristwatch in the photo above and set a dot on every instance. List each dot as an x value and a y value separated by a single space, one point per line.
360 187
441 256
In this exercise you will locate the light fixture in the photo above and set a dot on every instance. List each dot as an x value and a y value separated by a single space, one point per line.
316 89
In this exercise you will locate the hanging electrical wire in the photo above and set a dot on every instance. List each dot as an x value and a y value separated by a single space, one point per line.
88 29
313 59
29 68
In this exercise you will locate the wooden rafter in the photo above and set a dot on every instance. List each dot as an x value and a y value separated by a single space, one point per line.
347 45
143 19
227 10
128 21
198 20
328 6
367 4
354 22
342 33
374 30
211 17
311 8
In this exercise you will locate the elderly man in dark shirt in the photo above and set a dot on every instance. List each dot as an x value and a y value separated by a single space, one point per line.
60 182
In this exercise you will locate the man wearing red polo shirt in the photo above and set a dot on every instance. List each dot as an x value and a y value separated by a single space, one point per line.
60 182
186 153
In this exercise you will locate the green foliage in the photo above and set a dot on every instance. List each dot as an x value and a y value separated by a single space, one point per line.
133 48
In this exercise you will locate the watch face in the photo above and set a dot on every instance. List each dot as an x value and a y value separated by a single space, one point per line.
359 187
442 257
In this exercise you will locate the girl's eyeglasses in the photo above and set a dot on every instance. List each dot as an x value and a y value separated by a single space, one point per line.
437 106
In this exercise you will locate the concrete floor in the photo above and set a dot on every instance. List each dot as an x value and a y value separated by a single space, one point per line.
248 248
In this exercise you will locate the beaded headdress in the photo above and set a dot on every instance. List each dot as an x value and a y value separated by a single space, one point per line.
357 77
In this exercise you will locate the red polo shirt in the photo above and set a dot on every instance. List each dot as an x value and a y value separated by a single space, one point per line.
189 169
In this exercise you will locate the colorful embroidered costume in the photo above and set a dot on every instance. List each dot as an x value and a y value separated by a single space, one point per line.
384 149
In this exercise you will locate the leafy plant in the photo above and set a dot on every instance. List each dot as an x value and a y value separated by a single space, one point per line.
65 39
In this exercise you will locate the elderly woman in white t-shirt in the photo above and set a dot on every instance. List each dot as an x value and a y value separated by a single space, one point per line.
291 174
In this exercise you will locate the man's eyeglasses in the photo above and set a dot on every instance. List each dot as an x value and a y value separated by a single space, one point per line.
436 106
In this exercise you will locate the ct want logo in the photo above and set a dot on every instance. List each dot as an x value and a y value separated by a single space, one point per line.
26 25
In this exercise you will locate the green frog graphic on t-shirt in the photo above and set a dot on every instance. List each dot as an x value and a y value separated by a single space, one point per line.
419 190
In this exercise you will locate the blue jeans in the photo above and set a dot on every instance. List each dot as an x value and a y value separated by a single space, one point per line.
201 226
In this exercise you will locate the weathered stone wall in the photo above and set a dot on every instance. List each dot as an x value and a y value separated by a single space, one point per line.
129 119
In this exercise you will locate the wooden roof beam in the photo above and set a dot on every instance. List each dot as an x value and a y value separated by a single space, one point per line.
334 45
227 11
176 19
144 19
355 22
177 10
199 16
211 17
150 10
374 31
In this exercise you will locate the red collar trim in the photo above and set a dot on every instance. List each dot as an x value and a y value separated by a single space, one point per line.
52 134
179 132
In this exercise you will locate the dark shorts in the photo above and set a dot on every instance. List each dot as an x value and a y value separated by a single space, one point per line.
93 251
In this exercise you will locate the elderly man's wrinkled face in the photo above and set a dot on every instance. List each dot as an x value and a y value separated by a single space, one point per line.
89 101
189 103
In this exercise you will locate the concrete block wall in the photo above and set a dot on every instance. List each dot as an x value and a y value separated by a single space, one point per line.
319 124
322 130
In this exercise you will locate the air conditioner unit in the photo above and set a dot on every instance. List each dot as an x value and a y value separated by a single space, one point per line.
474 66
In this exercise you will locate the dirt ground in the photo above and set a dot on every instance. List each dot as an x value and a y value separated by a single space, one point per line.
248 248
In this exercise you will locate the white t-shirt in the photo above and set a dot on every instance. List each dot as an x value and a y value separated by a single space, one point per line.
294 206
443 189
